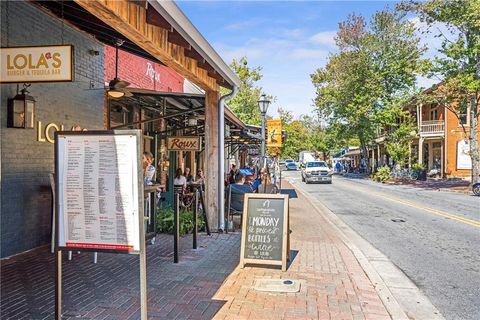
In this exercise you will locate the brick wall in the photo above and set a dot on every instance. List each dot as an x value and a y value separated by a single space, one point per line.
25 163
141 73
454 133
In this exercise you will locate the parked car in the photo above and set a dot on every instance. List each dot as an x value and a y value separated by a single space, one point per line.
291 166
317 171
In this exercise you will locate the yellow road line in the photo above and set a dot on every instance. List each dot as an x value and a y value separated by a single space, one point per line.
441 213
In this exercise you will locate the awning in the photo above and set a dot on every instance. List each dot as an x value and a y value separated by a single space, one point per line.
156 30
176 109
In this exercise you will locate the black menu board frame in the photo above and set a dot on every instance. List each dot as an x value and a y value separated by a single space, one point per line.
247 227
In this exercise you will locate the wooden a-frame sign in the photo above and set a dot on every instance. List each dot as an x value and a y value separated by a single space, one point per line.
265 230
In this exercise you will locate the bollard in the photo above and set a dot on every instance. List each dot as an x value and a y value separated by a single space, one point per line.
176 227
207 228
195 215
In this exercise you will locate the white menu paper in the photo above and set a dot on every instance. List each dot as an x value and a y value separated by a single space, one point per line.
98 192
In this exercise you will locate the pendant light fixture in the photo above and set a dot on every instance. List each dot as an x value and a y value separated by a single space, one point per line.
117 86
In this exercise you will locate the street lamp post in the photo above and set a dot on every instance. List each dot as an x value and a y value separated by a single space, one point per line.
263 105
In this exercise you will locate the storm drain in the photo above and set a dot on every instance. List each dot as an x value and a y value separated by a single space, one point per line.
277 285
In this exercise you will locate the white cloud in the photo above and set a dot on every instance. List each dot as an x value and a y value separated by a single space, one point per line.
325 38
287 59
304 53
243 24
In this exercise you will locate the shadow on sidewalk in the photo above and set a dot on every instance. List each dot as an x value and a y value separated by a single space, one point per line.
291 193
110 288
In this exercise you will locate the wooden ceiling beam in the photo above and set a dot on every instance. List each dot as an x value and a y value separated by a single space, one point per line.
130 20
155 18
175 38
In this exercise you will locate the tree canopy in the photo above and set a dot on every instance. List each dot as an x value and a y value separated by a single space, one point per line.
374 66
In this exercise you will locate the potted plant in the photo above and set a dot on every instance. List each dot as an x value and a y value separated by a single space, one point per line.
419 168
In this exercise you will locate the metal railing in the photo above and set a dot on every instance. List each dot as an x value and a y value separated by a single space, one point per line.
432 127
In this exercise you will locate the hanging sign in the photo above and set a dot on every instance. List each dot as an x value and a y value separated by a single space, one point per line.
184 143
36 64
274 133
99 184
265 236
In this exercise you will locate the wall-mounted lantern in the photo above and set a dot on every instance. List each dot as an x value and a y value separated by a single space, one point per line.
21 110
192 122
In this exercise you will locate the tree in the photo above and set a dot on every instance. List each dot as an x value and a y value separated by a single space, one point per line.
297 135
245 102
459 62
402 130
373 67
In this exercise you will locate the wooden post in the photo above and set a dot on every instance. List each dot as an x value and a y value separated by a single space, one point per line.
211 158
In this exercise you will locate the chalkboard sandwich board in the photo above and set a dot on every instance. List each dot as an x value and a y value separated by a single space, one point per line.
265 236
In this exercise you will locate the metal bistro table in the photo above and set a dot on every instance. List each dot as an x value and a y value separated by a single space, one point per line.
150 210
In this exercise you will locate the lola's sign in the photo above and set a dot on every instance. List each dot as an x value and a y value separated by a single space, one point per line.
183 144
36 64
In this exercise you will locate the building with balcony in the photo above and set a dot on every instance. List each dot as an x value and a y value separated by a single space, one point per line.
440 143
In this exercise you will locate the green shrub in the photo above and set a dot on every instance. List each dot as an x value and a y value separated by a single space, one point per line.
164 222
418 167
383 174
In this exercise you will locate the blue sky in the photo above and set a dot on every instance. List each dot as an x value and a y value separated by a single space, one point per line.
288 39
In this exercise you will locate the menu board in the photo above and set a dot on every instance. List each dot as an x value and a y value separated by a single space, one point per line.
265 230
98 191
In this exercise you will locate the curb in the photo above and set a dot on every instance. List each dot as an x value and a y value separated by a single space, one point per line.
400 296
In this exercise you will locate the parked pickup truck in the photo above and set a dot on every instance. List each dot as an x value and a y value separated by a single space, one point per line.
317 171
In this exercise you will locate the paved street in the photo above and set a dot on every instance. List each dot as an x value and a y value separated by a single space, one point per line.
433 236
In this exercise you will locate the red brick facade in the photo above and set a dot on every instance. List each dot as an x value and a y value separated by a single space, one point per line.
141 73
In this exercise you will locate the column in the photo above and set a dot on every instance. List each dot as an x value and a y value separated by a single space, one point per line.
442 159
380 160
193 163
420 150
211 158
430 155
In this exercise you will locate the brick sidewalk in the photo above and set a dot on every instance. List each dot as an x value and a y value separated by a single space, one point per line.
205 284
110 288
334 286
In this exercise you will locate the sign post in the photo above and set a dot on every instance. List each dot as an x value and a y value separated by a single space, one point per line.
99 203
265 230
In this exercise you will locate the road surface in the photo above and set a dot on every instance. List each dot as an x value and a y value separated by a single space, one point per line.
432 236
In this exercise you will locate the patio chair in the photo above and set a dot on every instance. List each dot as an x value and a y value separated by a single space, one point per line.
270 188
234 197
186 199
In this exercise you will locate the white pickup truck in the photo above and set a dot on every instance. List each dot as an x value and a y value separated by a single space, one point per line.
317 171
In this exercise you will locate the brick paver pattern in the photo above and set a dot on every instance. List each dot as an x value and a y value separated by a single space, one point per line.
333 284
110 288
205 284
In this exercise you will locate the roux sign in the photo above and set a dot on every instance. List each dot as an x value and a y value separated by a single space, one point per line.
183 144
36 64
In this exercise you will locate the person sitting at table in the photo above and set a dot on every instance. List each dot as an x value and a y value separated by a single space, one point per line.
239 187
231 174
200 178
188 175
263 179
180 179
148 169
